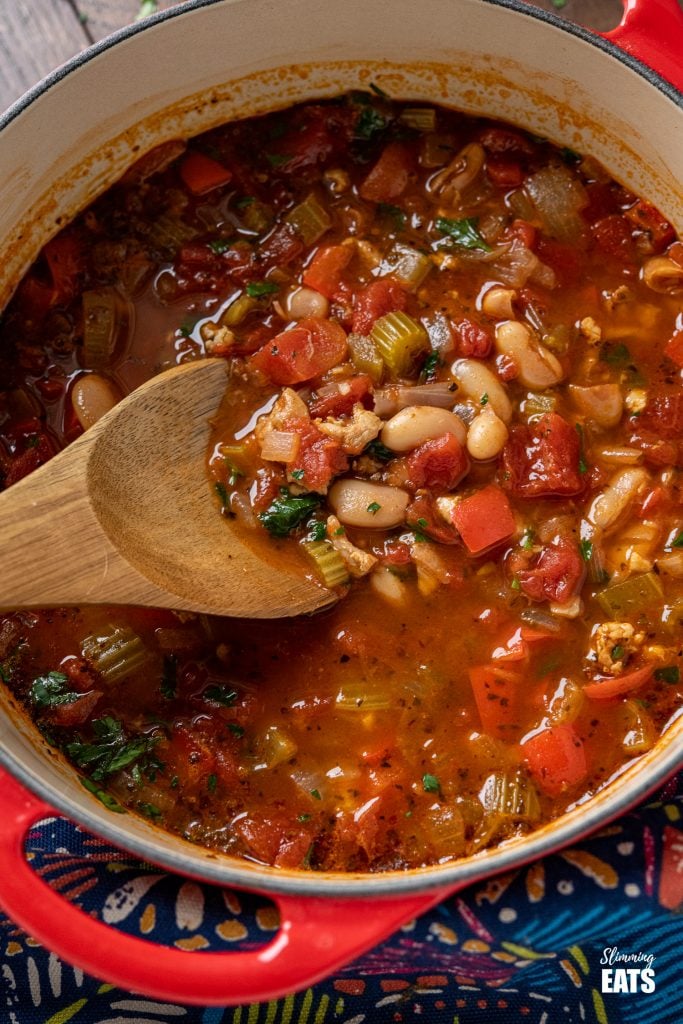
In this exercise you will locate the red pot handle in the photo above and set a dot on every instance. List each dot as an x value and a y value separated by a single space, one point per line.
652 31
316 935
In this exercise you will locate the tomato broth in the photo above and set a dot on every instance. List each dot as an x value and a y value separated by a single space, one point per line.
455 355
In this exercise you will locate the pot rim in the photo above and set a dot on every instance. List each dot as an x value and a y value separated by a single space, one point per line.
167 850
595 39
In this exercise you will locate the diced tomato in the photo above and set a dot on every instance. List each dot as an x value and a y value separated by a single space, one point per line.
279 249
663 414
66 260
565 260
422 515
484 519
557 575
440 463
506 368
395 552
375 300
267 486
389 177
618 686
25 462
674 348
320 457
202 174
497 694
51 388
315 134
81 674
542 458
646 217
274 840
516 647
324 272
614 236
556 758
339 399
602 202
76 712
475 340
504 141
504 173
193 756
302 352
523 231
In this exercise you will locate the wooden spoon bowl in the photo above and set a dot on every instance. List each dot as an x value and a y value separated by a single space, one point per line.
125 516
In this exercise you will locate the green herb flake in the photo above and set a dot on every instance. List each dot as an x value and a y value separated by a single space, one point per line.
112 750
304 817
233 474
315 793
219 245
616 354
617 652
677 542
258 289
379 92
211 783
245 201
50 691
222 492
285 513
169 677
318 531
105 798
430 366
484 400
586 549
669 674
430 784
527 541
236 730
218 694
369 124
149 810
379 451
297 474
422 523
373 508
393 213
175 782
463 232
583 465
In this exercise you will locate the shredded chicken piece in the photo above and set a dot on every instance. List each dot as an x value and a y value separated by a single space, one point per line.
620 295
354 433
289 406
359 563
635 400
614 643
590 330
218 342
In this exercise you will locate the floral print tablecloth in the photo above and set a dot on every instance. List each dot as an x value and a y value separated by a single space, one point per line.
524 947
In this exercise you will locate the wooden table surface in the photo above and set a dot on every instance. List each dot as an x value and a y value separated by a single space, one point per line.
38 35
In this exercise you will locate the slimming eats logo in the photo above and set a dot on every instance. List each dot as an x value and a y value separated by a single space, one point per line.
627 972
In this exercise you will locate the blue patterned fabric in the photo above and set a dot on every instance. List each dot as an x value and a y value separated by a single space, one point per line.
525 947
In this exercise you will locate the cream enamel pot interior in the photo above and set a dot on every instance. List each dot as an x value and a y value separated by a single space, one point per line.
180 73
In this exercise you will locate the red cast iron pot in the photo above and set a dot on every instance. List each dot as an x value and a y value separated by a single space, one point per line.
617 97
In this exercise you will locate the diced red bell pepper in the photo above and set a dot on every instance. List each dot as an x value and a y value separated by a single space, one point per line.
484 519
202 174
497 694
325 271
440 463
556 758
543 458
389 177
618 686
475 340
375 300
614 236
302 352
504 173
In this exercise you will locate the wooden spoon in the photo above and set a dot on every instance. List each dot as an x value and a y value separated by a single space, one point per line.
125 515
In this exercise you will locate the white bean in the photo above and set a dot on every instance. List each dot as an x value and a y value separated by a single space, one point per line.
537 367
91 397
302 303
486 436
410 427
497 302
373 506
477 381
622 489
663 275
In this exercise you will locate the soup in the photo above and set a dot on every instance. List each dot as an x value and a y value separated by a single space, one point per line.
455 399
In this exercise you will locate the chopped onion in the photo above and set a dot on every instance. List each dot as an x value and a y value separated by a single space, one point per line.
280 446
440 334
671 564
558 196
534 617
389 401
516 265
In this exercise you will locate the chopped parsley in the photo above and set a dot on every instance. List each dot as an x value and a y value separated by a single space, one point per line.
463 232
245 201
527 541
257 289
583 465
169 677
586 549
315 793
677 542
394 214
515 584
285 513
234 474
369 124
430 784
211 783
379 451
373 508
304 817
318 530
218 694
616 354
236 730
617 652
669 674
111 751
105 798
484 400
222 492
430 366
219 245
298 474
50 691
149 810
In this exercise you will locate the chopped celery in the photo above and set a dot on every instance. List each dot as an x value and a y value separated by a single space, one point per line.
632 595
309 219
365 356
407 265
641 734
116 654
237 310
512 796
276 748
328 562
169 233
103 315
535 404
256 217
422 119
356 696
400 340
558 339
